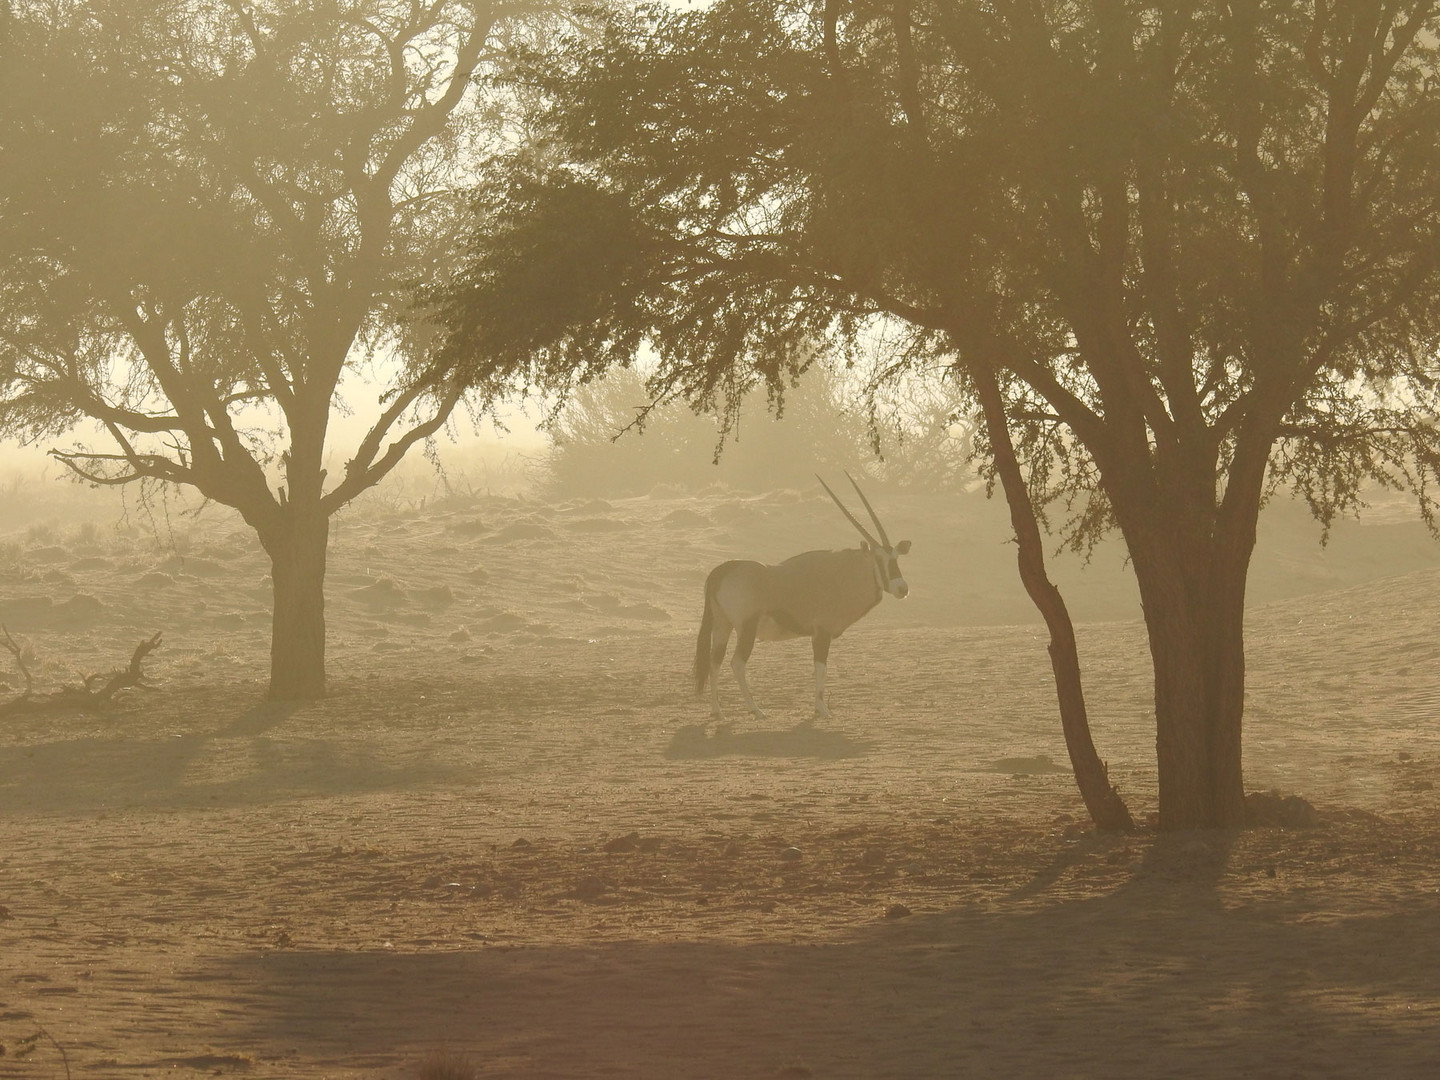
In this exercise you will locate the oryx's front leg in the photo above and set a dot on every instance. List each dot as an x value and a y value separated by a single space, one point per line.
744 643
821 643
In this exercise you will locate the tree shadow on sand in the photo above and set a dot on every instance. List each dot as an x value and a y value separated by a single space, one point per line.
242 762
694 742
1194 860
260 718
1157 978
104 773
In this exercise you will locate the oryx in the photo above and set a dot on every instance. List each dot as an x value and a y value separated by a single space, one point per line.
817 594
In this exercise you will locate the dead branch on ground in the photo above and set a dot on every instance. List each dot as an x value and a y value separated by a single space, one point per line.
95 694
16 652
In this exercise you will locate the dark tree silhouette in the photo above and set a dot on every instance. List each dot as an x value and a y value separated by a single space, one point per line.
1178 255
210 212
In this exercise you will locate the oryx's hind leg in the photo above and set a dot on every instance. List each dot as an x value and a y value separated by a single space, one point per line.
821 643
744 643
719 642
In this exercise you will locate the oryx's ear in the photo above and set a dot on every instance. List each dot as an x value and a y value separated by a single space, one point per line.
864 545
902 548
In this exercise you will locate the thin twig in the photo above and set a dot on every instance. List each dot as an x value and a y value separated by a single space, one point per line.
64 1057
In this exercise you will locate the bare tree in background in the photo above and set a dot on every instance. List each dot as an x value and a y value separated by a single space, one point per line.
211 211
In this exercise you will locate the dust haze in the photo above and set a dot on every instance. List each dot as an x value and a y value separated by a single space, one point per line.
423 362
509 833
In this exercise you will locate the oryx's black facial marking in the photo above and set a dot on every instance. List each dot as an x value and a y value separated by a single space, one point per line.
887 568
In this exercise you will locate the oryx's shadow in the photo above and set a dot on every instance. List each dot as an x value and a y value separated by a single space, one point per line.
803 740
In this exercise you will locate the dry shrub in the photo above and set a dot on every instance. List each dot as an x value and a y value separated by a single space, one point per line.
1270 808
87 534
819 430
446 1065
825 427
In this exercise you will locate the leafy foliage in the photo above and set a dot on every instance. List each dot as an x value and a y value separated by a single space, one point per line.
1146 219
207 206
1193 249
211 214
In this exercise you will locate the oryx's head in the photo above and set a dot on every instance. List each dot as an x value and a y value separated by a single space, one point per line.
884 555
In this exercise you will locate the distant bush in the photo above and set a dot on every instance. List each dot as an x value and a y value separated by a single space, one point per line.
454 476
822 428
86 534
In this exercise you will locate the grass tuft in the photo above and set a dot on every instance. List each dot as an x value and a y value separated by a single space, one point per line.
446 1065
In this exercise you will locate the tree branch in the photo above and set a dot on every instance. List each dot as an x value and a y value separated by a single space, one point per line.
364 471
908 68
141 465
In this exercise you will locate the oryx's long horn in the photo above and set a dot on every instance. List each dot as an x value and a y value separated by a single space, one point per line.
881 528
847 513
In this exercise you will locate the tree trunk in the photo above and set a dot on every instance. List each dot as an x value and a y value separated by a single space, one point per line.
297 642
1227 770
1193 593
1107 809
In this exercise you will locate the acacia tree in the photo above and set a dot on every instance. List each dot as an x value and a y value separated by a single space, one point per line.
210 212
1179 255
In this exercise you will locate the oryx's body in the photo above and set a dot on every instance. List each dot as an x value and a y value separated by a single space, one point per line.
818 595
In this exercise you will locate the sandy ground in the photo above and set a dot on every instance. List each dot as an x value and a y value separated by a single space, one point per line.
506 834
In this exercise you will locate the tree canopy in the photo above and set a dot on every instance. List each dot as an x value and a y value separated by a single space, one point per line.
1193 247
211 212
